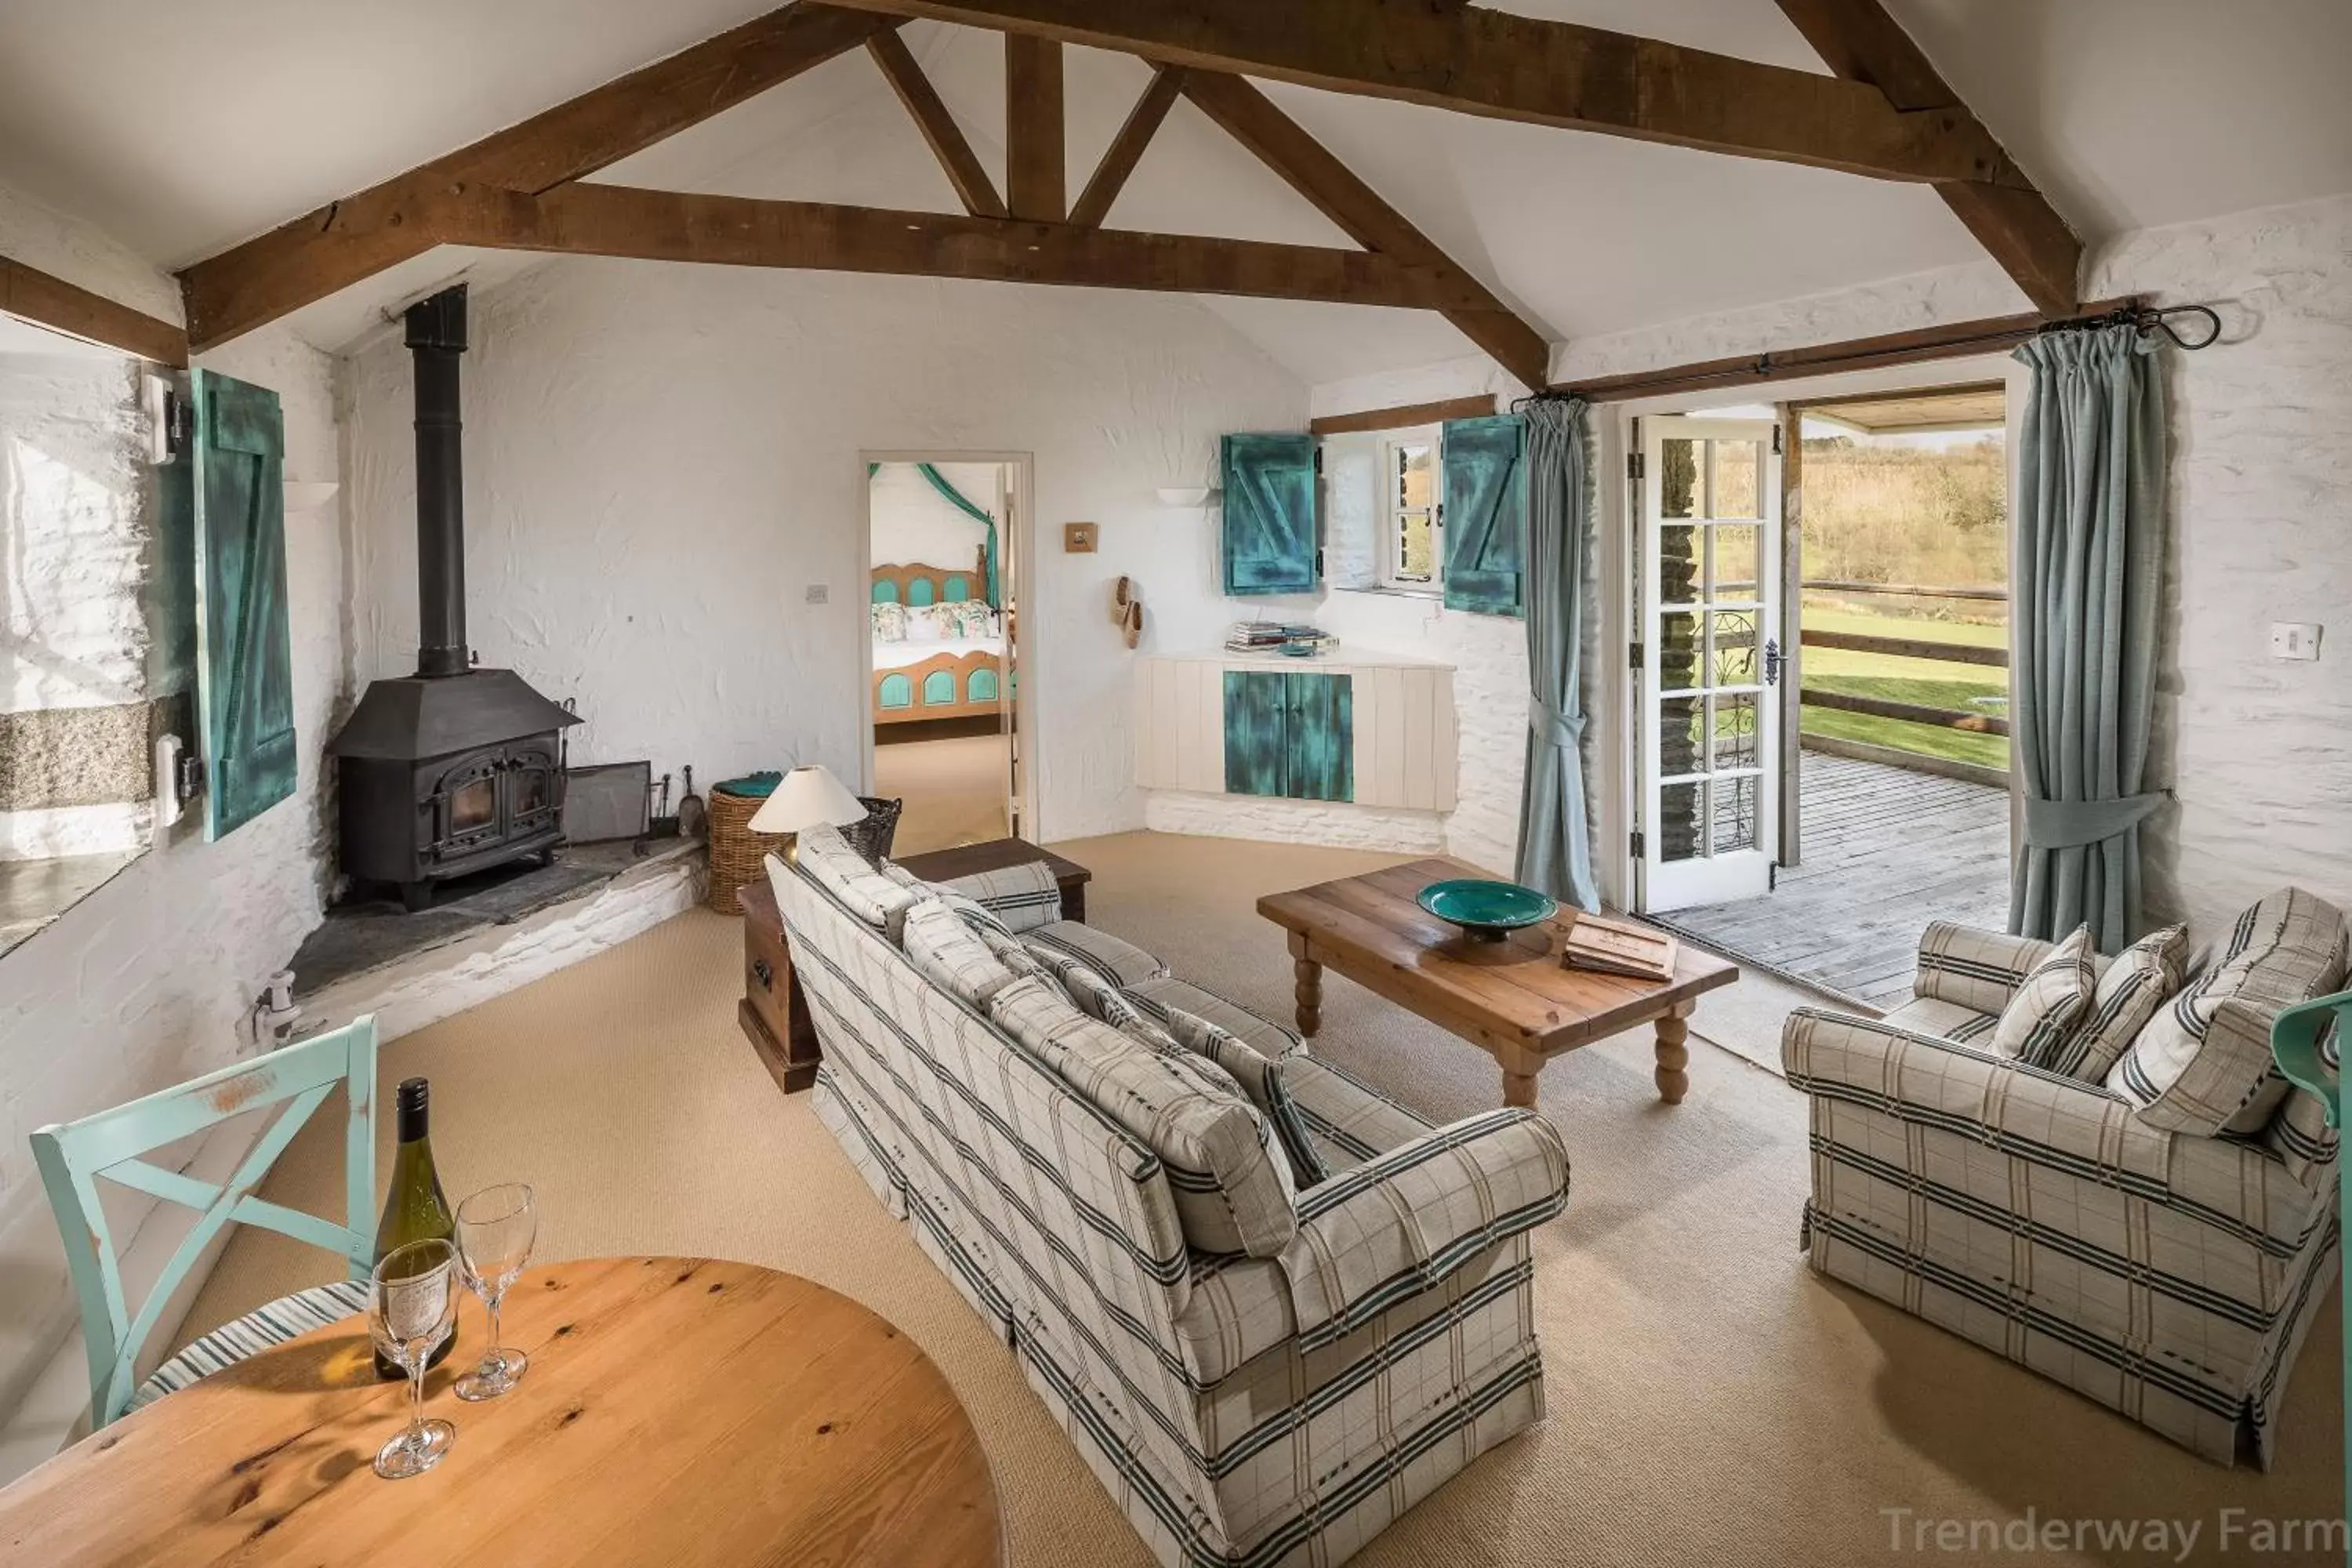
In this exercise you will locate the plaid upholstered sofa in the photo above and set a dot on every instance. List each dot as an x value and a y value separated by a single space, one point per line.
2159 1254
1274 1402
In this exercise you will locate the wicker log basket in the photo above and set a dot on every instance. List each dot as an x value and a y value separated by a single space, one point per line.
737 852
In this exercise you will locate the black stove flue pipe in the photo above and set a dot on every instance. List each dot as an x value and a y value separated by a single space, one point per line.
437 336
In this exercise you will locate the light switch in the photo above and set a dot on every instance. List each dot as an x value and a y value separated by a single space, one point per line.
818 593
2295 639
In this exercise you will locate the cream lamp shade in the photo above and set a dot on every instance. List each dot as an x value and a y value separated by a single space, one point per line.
803 798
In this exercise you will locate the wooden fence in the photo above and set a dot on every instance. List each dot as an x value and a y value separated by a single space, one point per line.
1907 647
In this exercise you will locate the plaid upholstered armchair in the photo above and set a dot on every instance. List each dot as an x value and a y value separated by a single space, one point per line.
2162 1265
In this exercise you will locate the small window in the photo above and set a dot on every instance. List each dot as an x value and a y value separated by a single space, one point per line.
1412 521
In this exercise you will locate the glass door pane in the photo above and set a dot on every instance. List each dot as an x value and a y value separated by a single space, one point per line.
1710 501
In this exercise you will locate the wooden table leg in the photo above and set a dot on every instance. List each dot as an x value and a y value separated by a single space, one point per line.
1674 1054
1306 991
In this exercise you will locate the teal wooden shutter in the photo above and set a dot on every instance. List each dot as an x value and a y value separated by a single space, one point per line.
244 657
1485 469
1269 515
1256 701
1321 738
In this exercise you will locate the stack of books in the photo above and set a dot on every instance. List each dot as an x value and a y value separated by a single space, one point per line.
1276 637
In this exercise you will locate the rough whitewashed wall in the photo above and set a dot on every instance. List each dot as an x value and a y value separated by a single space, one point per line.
1489 654
661 461
149 980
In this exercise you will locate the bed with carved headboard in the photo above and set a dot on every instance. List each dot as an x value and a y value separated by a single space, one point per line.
938 650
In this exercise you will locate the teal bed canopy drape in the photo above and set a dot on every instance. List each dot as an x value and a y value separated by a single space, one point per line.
1555 836
2088 598
964 504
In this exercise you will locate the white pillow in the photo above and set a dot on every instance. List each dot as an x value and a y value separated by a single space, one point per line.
2141 980
2050 1001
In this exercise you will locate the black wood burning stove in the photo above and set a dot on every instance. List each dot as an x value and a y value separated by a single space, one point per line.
452 769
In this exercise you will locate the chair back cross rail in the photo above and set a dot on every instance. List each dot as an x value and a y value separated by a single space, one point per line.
73 1156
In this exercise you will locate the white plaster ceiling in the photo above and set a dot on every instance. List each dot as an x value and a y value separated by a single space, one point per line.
182 129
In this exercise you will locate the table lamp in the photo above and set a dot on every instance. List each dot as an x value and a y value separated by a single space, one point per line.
806 797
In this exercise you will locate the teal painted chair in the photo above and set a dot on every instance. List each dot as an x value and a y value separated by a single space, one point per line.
2307 1043
73 1156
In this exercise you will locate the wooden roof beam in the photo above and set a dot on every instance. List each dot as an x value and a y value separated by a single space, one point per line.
586 219
1035 182
345 241
1126 149
1284 147
948 143
36 296
2013 220
1479 61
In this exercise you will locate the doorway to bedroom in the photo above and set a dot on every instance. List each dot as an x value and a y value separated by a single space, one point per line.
941 682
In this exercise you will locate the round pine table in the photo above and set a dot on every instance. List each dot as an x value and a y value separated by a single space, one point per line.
678 1411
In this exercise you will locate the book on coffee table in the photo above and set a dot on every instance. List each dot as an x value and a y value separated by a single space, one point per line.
1618 947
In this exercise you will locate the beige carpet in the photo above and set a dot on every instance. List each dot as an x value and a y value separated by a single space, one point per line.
954 790
1711 1401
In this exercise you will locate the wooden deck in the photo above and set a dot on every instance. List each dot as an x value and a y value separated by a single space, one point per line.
1885 851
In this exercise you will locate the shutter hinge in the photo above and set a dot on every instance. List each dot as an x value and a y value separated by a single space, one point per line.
1776 441
1318 562
191 782
1639 848
1318 459
1634 467
1633 655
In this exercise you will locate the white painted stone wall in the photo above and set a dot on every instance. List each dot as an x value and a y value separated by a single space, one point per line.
660 461
148 981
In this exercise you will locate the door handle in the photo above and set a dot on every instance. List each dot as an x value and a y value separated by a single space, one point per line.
1772 661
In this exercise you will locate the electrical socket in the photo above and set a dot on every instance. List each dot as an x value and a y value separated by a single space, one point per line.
817 594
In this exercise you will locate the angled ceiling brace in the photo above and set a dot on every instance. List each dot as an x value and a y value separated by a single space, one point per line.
973 185
1126 149
2013 221
1251 118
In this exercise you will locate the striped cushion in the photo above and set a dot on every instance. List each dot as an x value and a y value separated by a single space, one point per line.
1349 1121
1978 970
287 1318
2299 1134
1262 1079
2129 994
2203 1064
2049 1003
1934 1016
1013 956
842 871
1068 941
952 956
1024 897
1233 1195
1265 1035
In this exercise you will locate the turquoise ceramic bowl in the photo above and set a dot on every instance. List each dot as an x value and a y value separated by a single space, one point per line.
1487 912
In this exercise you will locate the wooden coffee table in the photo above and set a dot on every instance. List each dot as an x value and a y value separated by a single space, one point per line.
678 1412
1510 998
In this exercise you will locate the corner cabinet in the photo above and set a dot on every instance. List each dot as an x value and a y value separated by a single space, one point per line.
1290 734
1368 730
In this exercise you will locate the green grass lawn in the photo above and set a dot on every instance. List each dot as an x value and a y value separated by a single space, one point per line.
1930 683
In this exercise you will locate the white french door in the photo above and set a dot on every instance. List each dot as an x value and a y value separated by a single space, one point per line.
1709 668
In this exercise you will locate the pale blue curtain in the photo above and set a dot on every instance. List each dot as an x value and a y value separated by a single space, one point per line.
2086 595
1555 839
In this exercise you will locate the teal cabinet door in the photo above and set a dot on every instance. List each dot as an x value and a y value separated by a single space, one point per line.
1320 746
1269 515
245 658
1255 704
1485 475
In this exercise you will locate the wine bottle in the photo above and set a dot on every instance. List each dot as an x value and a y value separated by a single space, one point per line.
415 1209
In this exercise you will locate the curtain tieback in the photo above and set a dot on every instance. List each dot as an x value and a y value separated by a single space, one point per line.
1565 730
2069 823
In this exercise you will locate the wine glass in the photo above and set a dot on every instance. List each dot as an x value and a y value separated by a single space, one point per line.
412 1308
496 1228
